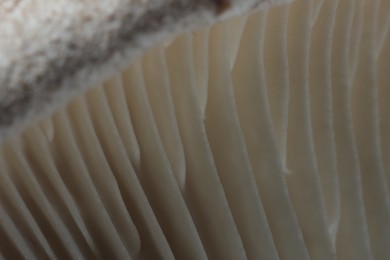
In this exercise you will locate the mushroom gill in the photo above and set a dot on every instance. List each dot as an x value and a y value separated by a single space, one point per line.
263 136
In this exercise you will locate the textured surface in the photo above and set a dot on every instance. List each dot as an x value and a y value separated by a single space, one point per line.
66 46
262 137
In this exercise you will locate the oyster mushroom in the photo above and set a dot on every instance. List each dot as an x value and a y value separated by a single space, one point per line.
257 136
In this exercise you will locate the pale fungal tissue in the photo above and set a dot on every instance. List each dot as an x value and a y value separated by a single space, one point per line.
195 129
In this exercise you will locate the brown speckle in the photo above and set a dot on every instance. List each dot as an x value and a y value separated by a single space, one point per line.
221 6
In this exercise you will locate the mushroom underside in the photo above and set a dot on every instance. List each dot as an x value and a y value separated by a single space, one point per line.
266 136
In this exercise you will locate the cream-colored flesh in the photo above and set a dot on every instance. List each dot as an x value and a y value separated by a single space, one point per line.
266 136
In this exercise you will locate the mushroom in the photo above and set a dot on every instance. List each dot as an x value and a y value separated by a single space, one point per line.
213 130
